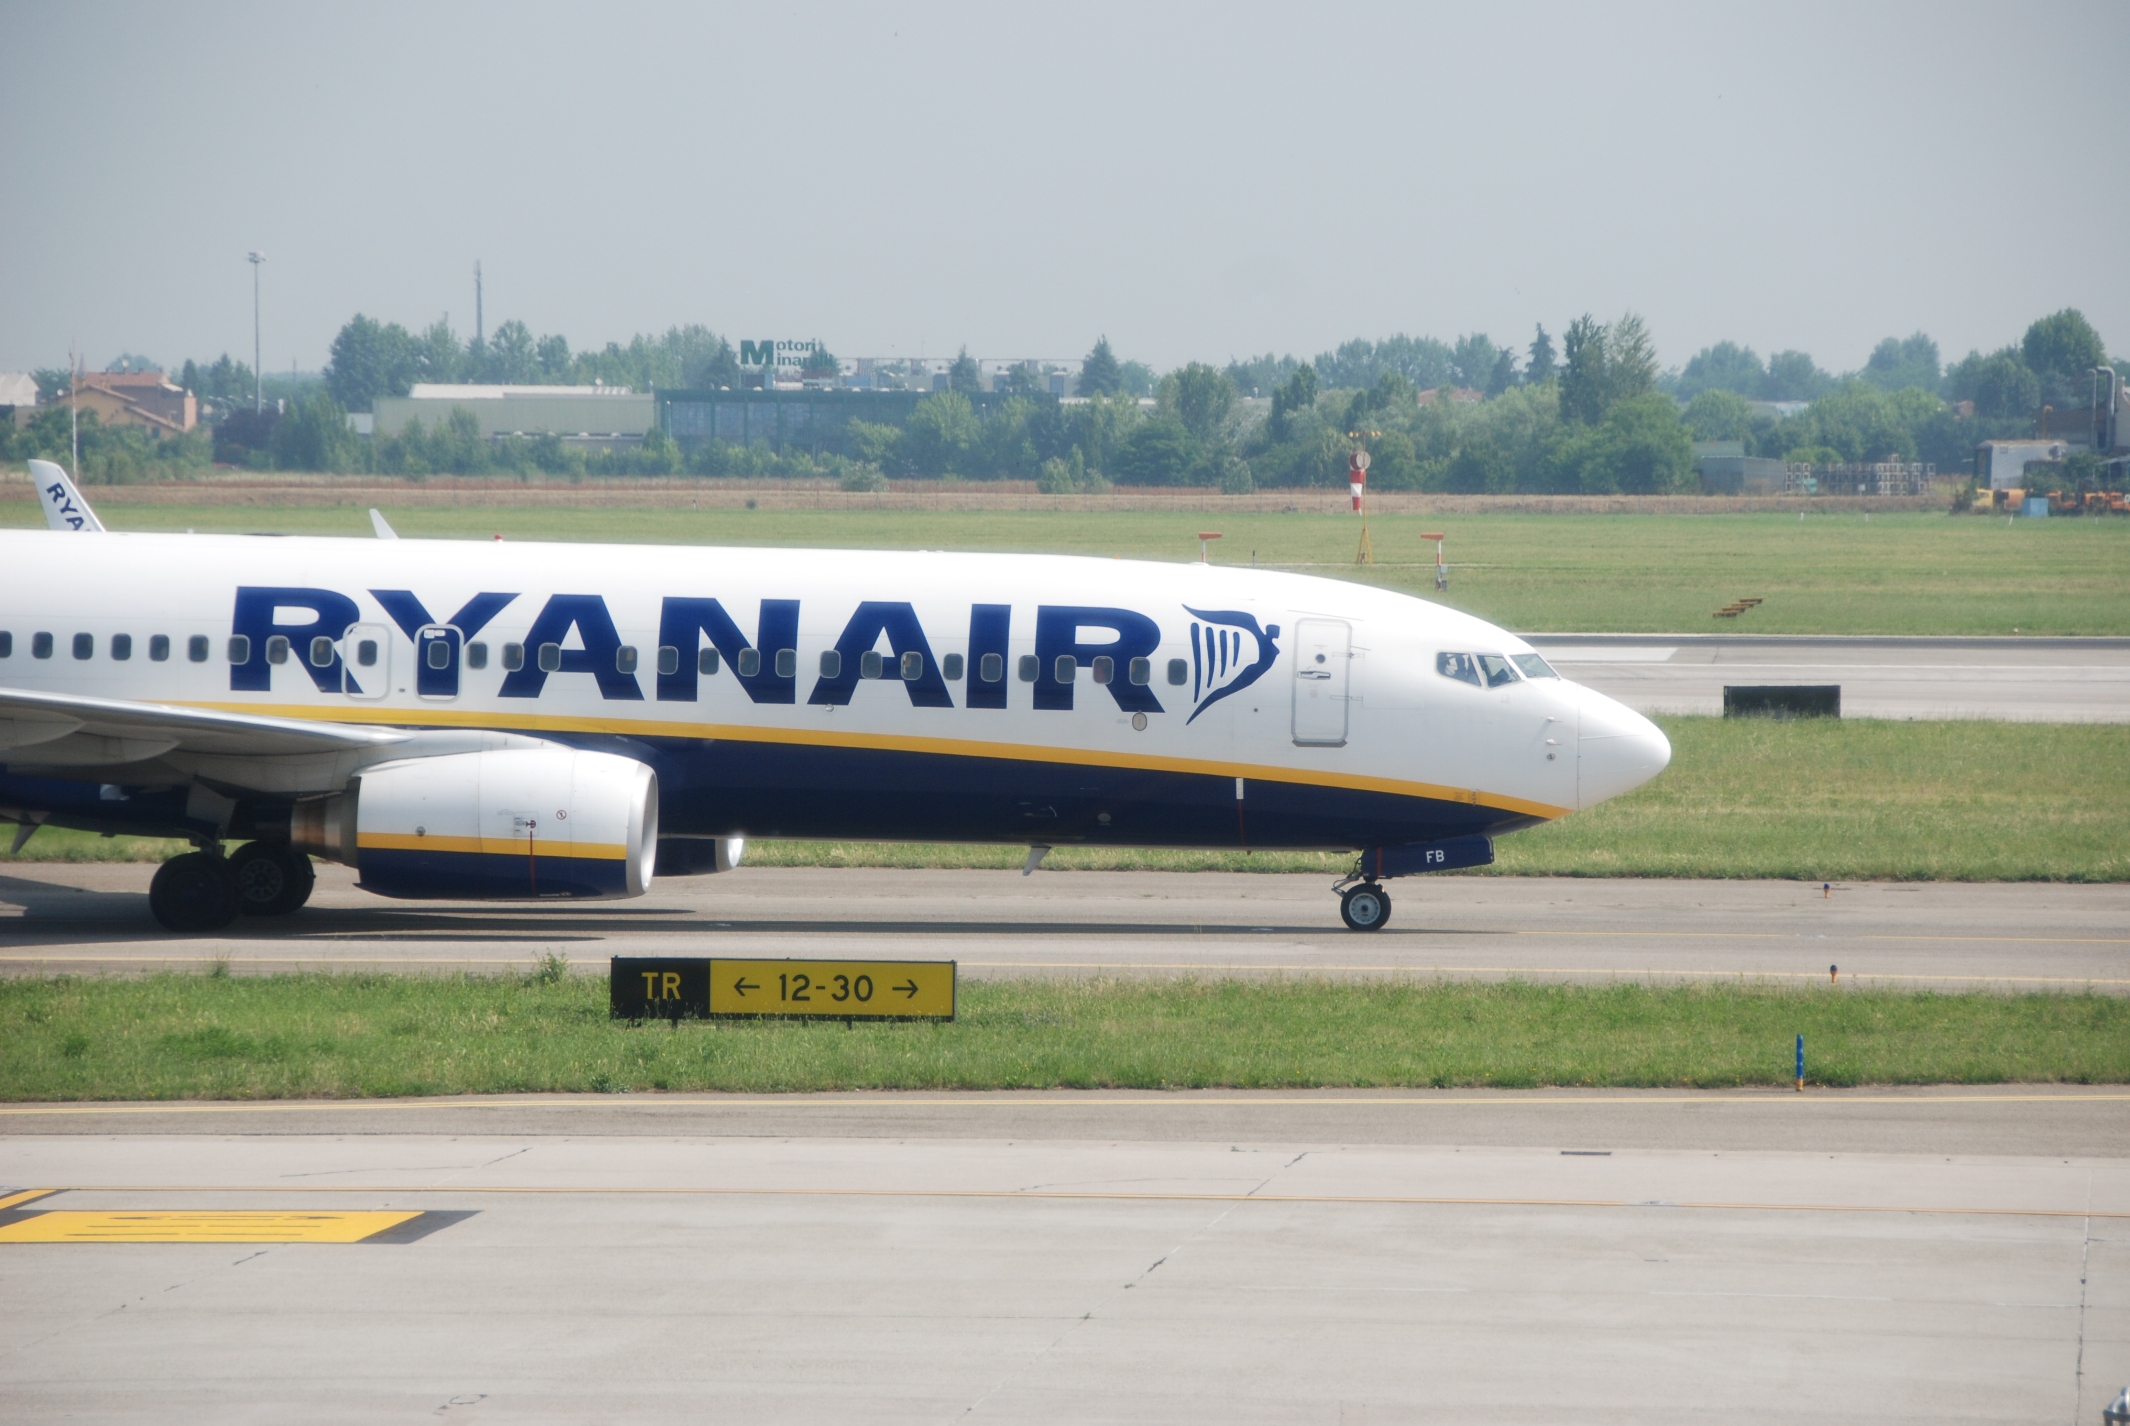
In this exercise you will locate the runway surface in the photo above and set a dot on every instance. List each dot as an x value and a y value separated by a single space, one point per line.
94 917
2054 680
1396 1257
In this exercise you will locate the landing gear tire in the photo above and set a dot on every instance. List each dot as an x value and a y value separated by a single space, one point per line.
1365 907
193 893
271 880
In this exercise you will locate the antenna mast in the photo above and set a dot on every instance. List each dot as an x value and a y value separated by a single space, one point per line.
480 332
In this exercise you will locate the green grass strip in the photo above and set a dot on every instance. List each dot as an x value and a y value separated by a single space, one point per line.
226 1037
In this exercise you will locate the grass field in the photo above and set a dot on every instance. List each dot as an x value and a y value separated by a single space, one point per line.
1828 573
227 1037
1846 800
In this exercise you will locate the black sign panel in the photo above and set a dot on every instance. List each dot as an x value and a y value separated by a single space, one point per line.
659 988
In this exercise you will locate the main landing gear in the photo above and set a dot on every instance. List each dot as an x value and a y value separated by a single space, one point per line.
201 891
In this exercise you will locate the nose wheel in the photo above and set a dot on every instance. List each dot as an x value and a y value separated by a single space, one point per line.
1364 907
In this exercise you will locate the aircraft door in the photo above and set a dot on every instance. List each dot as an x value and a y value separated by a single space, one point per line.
366 661
437 648
1323 668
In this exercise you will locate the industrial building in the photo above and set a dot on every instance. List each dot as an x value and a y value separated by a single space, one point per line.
597 417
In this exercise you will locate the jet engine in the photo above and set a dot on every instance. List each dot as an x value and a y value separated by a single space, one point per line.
513 824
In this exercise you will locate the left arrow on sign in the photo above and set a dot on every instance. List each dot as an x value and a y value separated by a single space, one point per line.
743 987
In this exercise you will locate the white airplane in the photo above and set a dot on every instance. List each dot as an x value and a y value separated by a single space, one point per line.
461 720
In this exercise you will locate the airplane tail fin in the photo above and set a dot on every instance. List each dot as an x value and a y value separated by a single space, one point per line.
64 509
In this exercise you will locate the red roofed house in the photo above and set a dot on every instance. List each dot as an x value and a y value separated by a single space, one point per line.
138 398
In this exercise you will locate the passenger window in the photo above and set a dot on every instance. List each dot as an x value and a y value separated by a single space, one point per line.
668 660
477 656
1030 666
625 659
787 663
1142 671
321 652
706 661
1533 666
40 646
513 657
277 649
240 648
439 655
159 648
1105 668
869 664
950 668
750 662
550 658
1179 672
7 645
992 669
85 646
1064 668
196 648
832 663
912 666
366 653
121 647
1461 667
1496 668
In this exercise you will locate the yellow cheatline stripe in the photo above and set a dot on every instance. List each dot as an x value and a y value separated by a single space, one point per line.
1059 1099
69 1225
493 846
25 1196
886 742
1081 1196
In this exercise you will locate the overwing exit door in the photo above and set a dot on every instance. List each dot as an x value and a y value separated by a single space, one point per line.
366 661
1323 668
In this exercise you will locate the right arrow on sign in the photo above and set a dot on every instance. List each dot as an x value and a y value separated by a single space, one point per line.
908 988
743 987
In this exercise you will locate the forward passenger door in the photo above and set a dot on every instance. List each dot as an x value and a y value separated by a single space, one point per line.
1323 672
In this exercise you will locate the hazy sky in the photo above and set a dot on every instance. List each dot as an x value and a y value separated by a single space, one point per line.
1199 182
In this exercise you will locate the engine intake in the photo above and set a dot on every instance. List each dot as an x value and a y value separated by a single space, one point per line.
506 825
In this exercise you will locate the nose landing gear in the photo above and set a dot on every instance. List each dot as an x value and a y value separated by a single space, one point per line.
1364 907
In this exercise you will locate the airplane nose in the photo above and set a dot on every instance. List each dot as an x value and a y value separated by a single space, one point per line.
1617 750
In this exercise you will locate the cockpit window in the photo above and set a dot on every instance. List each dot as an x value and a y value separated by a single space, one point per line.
1462 667
1499 672
1533 666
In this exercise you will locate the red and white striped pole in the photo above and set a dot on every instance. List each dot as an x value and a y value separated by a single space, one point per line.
1357 477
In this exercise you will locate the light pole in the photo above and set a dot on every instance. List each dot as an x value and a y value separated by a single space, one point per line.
258 381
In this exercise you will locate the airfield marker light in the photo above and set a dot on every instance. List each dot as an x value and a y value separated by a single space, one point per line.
1834 975
1800 1064
1826 891
1442 573
2117 1412
1206 537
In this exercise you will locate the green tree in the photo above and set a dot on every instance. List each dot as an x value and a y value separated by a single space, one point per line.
964 376
1159 452
1472 360
1480 467
2061 350
1718 415
313 435
1640 448
369 360
1138 379
941 434
1725 366
2005 386
1200 396
1540 368
437 355
1299 394
554 358
1100 375
1583 373
1794 376
513 356
1630 360
1895 365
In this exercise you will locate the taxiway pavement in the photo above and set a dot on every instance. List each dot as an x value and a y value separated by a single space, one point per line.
94 917
2056 680
1401 1257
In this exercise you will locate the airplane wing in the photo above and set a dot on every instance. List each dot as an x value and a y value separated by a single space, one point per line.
119 730
64 509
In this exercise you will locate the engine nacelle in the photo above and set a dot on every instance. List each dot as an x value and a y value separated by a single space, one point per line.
699 856
516 824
